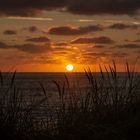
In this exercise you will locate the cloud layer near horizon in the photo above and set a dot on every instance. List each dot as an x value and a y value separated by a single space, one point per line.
90 7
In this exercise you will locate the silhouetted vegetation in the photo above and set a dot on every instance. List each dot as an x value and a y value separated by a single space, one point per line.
110 109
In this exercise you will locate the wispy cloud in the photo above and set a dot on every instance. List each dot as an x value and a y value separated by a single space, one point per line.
129 46
86 20
98 40
29 18
136 22
122 26
39 40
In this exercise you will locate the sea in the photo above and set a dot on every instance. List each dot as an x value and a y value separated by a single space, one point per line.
33 85
30 83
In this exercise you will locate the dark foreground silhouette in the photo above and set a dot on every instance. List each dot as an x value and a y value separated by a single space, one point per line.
109 110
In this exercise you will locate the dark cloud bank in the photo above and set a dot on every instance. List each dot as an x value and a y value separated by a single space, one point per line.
90 7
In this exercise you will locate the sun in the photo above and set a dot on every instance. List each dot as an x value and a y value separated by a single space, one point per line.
69 67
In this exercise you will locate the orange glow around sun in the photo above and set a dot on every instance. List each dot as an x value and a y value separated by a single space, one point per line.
69 67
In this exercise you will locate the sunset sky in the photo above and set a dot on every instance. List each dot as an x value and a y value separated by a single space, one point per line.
46 35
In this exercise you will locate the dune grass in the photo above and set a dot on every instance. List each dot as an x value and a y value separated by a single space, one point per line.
109 105
110 109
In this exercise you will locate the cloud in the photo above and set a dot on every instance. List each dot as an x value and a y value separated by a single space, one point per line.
137 41
127 40
28 7
94 54
62 49
138 51
98 40
29 48
38 39
28 18
32 28
86 20
3 46
95 7
104 54
10 32
90 7
119 54
61 44
122 26
129 46
90 56
99 46
67 30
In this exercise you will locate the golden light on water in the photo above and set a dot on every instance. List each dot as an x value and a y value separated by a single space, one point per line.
69 67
